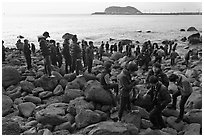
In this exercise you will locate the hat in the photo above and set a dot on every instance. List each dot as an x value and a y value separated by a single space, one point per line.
46 34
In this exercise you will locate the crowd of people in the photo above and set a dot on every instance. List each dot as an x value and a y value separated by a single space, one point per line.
79 57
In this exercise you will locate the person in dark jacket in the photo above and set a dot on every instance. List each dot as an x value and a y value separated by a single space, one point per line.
53 54
126 85
66 55
187 58
160 98
90 56
107 46
115 47
3 52
76 54
84 46
137 51
157 71
120 47
184 89
59 55
27 52
173 56
45 52
101 51
106 83
33 48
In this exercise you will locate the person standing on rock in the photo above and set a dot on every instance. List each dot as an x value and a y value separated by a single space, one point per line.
59 55
120 47
184 89
84 46
90 56
107 47
53 54
33 48
45 52
173 57
76 53
187 57
160 98
126 85
3 52
67 56
137 52
27 53
157 71
101 51
19 45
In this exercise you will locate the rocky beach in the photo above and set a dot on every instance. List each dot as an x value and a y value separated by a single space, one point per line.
35 104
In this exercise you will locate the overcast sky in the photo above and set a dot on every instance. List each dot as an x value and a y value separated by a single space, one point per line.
89 6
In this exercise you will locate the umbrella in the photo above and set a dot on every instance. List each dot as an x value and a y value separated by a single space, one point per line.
20 37
67 36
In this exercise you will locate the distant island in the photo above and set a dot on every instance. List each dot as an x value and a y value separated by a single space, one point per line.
116 10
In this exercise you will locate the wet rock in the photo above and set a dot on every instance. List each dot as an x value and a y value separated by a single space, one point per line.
152 132
46 83
37 90
52 115
10 76
10 127
110 128
192 129
70 77
58 90
27 86
95 92
116 55
33 99
146 124
170 112
86 117
71 94
7 104
133 117
171 122
26 109
192 29
77 104
64 126
194 116
45 94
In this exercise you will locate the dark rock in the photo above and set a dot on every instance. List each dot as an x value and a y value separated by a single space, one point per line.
70 77
37 90
10 76
194 116
64 126
45 94
144 114
192 129
27 86
7 104
195 38
61 132
183 39
71 94
95 92
58 90
72 85
171 131
170 112
125 41
153 132
182 29
32 131
26 109
178 126
63 82
192 29
146 124
133 117
103 115
69 118
116 55
33 99
57 75
15 93
10 127
148 31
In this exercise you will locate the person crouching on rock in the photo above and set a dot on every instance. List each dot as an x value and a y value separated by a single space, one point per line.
27 52
184 89
105 80
160 99
126 85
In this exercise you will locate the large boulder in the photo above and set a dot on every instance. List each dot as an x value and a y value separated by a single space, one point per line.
115 56
7 104
47 83
171 122
144 114
146 124
133 117
27 86
70 77
110 128
52 114
192 29
26 109
192 129
10 76
77 104
86 117
195 38
170 112
194 116
33 99
95 92
9 127
71 94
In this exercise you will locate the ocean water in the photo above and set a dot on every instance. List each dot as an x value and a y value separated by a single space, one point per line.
99 27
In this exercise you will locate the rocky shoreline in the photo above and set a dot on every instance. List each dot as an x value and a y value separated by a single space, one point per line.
34 104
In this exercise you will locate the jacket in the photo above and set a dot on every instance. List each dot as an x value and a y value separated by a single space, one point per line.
184 85
89 53
44 48
75 51
160 96
162 77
